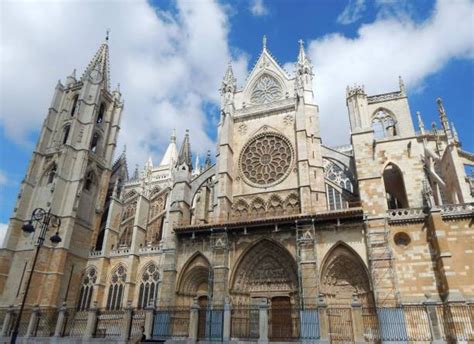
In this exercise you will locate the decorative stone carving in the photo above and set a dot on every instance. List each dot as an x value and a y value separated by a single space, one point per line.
266 267
266 90
288 119
242 128
266 159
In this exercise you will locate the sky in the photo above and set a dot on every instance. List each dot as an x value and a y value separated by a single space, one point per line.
169 57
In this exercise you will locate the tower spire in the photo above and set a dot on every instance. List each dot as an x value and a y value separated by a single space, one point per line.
229 81
98 69
171 154
184 157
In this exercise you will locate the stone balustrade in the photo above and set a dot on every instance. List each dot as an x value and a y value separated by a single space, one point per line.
406 214
457 210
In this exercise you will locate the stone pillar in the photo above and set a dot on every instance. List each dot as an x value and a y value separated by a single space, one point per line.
220 257
263 321
227 321
30 332
434 323
7 321
193 322
357 321
58 331
323 321
91 321
127 321
149 315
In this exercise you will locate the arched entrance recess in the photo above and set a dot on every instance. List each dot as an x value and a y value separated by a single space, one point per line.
344 276
194 283
267 270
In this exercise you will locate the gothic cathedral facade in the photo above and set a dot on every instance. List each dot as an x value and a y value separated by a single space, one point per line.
277 217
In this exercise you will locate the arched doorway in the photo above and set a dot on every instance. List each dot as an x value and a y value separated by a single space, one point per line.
193 283
343 278
394 187
268 271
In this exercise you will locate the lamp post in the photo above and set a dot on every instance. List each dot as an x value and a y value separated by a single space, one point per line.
45 220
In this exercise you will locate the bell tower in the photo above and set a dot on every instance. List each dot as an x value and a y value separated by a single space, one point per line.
69 174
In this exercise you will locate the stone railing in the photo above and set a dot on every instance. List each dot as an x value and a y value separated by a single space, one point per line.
122 251
406 214
94 253
457 210
150 249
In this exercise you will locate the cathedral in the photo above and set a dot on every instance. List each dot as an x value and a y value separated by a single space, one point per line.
276 237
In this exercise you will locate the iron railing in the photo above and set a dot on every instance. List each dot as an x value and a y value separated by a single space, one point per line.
110 323
171 322
138 323
76 323
47 319
244 322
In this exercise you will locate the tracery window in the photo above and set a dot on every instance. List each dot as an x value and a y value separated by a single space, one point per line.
384 125
116 288
129 210
266 159
338 176
148 286
266 90
87 288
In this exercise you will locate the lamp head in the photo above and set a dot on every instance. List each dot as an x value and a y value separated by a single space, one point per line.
28 227
55 239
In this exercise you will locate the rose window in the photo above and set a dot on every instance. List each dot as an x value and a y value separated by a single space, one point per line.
266 159
266 90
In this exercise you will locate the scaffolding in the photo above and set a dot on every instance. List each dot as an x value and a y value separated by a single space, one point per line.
381 265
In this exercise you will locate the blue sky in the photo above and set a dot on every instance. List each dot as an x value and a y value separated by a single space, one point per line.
170 56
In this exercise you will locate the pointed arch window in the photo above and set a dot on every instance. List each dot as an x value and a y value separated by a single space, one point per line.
394 187
384 125
100 115
74 105
66 131
95 142
90 180
148 286
52 173
87 289
116 288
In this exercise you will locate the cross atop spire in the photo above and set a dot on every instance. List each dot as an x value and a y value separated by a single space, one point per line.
107 32
264 42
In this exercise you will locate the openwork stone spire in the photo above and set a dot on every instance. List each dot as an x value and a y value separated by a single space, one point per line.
99 67
229 83
444 120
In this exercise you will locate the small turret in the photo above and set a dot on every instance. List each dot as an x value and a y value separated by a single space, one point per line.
171 154
185 157
208 162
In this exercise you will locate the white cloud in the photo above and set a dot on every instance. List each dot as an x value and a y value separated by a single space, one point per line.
258 8
169 65
352 12
3 233
381 52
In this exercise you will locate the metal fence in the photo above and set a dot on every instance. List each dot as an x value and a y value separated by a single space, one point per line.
214 323
244 322
76 323
284 323
457 323
47 319
138 323
110 323
309 321
171 322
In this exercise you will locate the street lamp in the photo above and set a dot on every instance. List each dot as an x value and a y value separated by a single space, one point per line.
45 220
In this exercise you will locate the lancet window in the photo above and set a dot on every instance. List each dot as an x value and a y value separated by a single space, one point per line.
87 288
148 286
116 288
